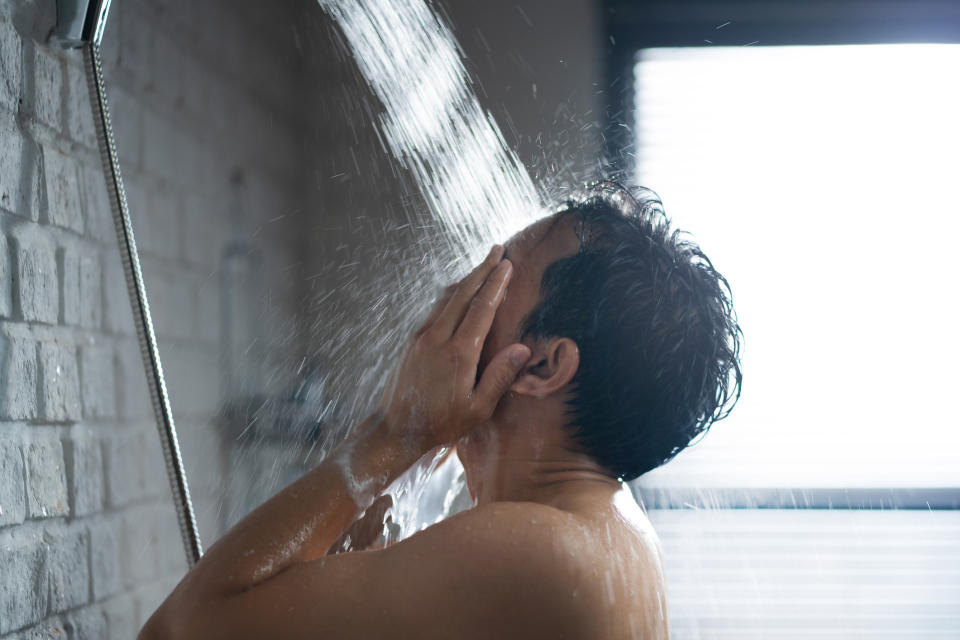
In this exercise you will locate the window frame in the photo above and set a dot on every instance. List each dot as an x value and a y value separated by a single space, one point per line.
634 25
895 498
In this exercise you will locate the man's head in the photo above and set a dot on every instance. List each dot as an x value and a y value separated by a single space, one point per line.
629 324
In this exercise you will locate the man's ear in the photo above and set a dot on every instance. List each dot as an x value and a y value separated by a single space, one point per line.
551 367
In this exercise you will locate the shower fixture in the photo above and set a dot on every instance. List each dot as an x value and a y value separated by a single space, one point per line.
80 25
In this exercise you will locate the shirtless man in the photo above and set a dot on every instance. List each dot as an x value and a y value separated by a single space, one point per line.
604 345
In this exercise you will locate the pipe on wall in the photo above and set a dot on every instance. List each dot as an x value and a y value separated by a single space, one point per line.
80 24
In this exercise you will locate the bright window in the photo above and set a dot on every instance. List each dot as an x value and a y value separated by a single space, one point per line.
824 182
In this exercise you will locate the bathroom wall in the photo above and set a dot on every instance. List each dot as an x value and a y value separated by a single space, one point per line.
206 113
539 68
250 160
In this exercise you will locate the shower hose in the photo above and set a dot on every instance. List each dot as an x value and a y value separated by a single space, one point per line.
138 297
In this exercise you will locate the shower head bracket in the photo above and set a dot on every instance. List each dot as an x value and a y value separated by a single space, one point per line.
80 22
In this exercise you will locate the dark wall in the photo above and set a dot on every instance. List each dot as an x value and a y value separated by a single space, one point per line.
539 67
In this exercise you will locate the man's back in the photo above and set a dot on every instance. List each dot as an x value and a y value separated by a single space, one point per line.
586 566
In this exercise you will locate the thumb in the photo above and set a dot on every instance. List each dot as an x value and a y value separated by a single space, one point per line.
499 375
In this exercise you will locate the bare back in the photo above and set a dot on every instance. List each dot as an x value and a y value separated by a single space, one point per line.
620 576
586 566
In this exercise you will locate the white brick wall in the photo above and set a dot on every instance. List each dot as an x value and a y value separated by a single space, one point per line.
89 543
199 92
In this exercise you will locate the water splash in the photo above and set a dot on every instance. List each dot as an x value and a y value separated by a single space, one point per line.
433 124
476 192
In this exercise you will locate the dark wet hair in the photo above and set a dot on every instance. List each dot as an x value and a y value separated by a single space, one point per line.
655 325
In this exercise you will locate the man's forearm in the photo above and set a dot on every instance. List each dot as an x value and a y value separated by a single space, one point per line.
301 522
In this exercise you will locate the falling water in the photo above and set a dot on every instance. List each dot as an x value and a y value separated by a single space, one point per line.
433 123
474 187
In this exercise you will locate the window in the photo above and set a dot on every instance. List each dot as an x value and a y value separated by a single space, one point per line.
822 181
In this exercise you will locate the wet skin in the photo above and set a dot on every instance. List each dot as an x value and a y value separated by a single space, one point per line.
554 548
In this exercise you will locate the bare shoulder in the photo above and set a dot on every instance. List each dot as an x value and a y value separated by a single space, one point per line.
526 563
504 570
526 534
520 518
592 575
519 538
560 560
566 541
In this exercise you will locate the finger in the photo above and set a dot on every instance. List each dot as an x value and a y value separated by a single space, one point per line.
481 310
498 376
449 318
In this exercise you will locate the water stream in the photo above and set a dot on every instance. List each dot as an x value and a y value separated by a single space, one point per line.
473 186
433 124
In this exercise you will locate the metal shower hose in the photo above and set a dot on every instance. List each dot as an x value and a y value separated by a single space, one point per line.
138 301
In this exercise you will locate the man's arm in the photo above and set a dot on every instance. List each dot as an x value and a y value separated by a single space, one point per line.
296 526
433 399
481 574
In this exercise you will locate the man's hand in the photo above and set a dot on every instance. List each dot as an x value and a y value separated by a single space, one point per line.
274 562
433 397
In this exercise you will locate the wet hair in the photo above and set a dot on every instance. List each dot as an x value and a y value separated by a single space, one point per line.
655 325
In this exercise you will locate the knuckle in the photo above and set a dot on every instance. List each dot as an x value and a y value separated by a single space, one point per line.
483 301
458 348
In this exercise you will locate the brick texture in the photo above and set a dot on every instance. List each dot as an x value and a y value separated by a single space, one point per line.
63 190
97 380
91 303
46 479
69 571
9 67
13 498
37 275
6 281
213 135
18 376
88 622
44 98
89 540
84 458
19 171
106 572
23 590
59 382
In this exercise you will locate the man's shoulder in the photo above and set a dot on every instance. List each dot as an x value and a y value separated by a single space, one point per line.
518 522
518 541
500 568
525 558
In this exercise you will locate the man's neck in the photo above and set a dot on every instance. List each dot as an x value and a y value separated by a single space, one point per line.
530 462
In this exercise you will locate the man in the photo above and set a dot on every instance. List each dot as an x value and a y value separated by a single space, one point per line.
604 344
